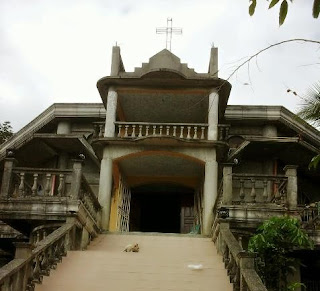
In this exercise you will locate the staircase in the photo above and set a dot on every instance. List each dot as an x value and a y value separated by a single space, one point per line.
161 264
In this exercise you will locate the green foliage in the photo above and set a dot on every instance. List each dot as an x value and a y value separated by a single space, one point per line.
314 162
5 131
283 12
284 8
274 243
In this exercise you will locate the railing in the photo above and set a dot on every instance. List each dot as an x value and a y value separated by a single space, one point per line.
129 130
35 182
22 273
239 264
41 232
251 188
310 214
89 199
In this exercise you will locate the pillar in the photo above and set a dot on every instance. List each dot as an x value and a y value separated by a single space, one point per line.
213 65
64 127
76 178
209 192
105 188
227 184
111 113
9 163
116 61
292 187
213 115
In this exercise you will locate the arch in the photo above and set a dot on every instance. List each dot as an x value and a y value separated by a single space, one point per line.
159 152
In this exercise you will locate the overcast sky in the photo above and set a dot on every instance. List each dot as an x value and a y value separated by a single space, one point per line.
55 51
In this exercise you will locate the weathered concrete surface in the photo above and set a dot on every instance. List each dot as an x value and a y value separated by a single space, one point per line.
161 264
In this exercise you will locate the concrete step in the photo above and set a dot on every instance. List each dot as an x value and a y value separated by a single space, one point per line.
161 264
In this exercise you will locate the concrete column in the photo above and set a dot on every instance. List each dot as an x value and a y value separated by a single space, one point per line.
7 176
209 193
115 61
111 113
227 184
105 188
213 115
76 178
213 65
292 187
64 127
23 250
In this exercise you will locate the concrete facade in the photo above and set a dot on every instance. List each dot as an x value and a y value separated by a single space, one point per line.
161 128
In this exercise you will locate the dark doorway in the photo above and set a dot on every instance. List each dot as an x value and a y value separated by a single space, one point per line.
161 208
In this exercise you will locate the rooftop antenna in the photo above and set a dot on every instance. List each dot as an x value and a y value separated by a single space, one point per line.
169 30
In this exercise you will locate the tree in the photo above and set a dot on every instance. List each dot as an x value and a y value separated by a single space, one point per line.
284 8
5 131
310 111
274 243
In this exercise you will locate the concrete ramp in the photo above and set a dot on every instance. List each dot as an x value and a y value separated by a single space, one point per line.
161 264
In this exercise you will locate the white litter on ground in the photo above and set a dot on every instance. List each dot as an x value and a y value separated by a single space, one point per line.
195 266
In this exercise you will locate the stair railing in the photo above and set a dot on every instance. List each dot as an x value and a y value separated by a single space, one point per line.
30 265
239 263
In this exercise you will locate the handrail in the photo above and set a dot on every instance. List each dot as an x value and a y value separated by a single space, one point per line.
239 263
160 123
41 170
92 196
38 263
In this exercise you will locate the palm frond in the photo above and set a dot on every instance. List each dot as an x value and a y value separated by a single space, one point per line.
310 108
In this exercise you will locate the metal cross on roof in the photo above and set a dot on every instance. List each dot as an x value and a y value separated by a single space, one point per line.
169 30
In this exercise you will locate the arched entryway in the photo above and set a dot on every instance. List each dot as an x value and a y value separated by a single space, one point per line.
157 193
165 208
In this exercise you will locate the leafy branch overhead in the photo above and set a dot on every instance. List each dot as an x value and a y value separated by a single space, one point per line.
5 131
284 8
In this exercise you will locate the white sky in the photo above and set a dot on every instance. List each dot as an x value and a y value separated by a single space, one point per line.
55 51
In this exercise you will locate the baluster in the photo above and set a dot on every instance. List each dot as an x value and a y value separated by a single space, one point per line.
35 184
188 134
96 130
21 186
126 130
181 131
119 130
202 132
37 236
265 191
100 130
44 234
195 135
61 185
147 130
241 194
140 131
48 184
168 130
160 129
226 133
277 193
133 131
174 131
154 130
220 133
253 190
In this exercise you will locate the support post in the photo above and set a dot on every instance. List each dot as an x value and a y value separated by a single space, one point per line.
227 184
111 111
209 192
292 187
76 178
213 115
105 188
9 163
23 251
